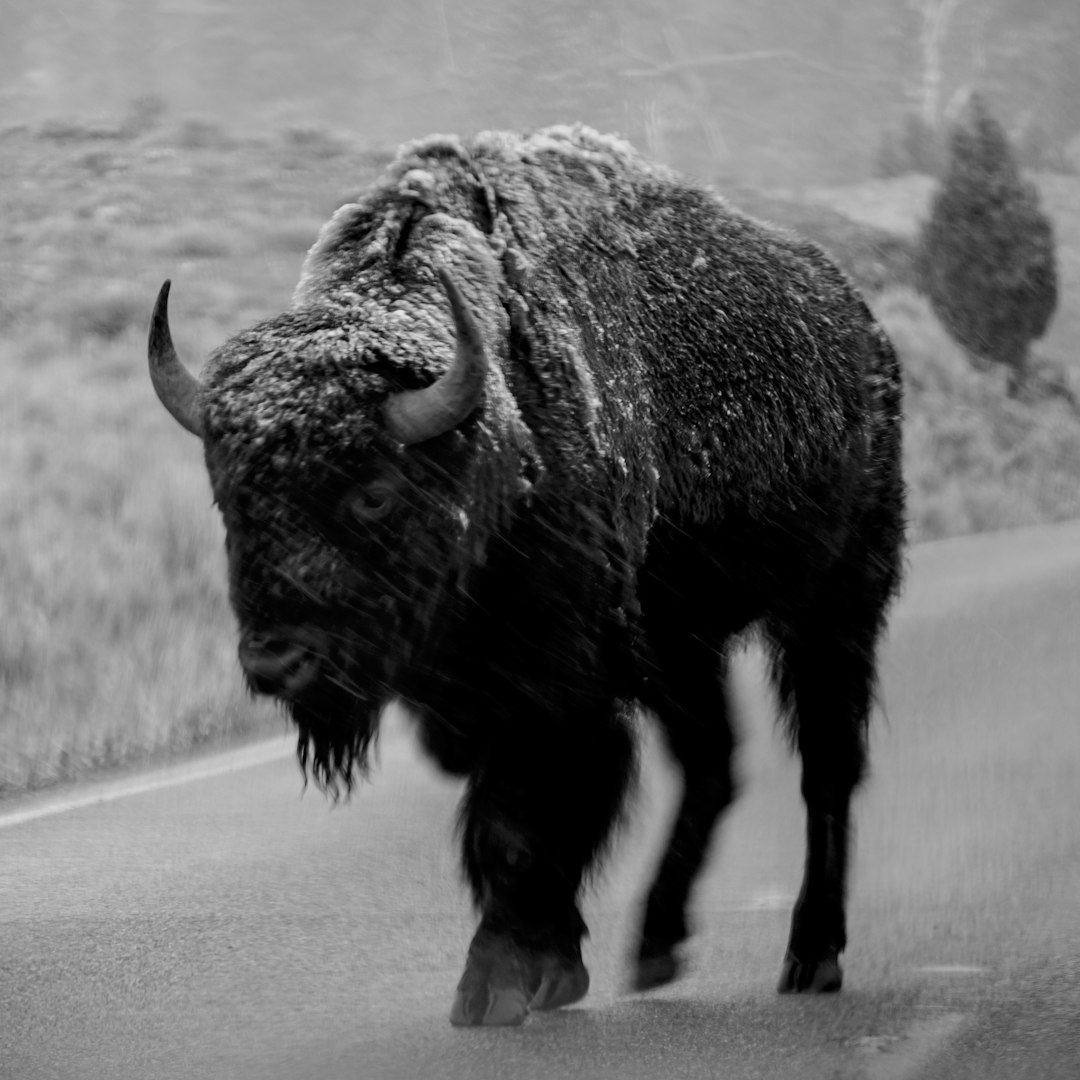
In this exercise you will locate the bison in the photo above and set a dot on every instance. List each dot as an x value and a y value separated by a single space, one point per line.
544 430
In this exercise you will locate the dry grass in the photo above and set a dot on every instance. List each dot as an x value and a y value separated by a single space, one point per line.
117 644
116 637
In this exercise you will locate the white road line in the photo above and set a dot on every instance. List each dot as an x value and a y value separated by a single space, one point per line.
767 901
231 761
951 969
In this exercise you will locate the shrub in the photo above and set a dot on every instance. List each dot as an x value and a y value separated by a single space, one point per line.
144 114
105 315
974 457
314 143
79 129
196 133
986 253
197 241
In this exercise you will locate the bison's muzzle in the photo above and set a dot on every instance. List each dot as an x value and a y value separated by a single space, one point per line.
283 664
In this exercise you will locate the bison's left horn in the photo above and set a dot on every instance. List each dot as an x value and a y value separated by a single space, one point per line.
176 387
414 416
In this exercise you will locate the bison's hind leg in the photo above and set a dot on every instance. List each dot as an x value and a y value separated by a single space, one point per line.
825 686
694 719
825 667
686 690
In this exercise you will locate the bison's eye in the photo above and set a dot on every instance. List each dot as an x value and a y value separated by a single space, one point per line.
371 501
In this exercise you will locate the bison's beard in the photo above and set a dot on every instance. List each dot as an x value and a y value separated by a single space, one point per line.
336 728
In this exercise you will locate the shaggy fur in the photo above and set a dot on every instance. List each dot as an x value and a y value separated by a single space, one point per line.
691 424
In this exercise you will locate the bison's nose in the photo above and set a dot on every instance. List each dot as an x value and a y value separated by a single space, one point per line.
282 663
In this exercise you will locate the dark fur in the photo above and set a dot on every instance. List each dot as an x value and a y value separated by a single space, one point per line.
691 425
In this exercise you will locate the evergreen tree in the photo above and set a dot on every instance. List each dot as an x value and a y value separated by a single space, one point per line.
987 251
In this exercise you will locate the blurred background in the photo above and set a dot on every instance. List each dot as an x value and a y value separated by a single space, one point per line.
772 91
207 141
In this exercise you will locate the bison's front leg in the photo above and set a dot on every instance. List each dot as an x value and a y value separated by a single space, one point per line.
526 952
534 820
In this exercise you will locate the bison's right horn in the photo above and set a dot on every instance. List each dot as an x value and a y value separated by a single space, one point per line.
176 387
414 416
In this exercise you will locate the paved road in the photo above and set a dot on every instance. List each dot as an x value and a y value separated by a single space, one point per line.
225 926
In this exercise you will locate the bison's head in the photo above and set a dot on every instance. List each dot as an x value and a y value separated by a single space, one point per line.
346 506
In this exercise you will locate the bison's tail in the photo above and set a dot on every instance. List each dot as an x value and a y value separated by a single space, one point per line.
824 658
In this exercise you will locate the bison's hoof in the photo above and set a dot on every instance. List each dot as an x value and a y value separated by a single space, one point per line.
490 1006
503 981
562 982
492 992
810 976
656 970
498 983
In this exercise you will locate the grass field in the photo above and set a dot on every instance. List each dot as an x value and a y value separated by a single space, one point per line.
116 644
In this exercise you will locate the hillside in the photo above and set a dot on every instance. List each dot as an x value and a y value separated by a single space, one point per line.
763 91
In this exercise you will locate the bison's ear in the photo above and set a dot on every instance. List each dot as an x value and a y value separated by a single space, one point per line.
176 387
414 416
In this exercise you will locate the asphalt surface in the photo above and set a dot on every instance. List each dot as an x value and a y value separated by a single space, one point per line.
217 922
